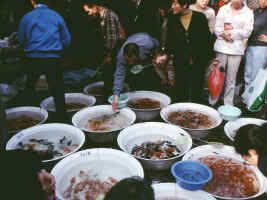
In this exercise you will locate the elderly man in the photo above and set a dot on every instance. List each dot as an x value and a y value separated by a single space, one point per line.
234 24
43 34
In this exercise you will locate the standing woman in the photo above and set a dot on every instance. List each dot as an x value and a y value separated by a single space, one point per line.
202 6
256 54
188 39
234 24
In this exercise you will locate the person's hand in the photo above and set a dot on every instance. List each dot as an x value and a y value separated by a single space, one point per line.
252 157
163 82
262 38
172 83
115 102
47 181
160 59
227 37
107 59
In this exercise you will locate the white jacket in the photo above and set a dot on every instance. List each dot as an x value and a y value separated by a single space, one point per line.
242 24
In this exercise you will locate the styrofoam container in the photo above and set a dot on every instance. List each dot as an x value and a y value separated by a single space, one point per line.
226 151
149 114
151 132
53 131
49 104
122 100
104 162
199 108
172 191
29 111
229 113
231 127
80 120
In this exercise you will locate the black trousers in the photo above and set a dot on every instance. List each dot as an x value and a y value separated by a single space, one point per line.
108 71
189 83
3 127
50 68
147 79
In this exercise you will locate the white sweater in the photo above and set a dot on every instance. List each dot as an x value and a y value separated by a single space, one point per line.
242 24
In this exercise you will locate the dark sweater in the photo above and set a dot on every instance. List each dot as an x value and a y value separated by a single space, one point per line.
195 42
3 127
260 27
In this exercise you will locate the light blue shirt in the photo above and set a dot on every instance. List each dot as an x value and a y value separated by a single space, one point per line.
146 44
43 33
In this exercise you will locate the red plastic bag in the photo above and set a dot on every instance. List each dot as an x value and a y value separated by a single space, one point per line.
215 81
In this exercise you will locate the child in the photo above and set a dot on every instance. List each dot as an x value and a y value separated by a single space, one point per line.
131 189
250 142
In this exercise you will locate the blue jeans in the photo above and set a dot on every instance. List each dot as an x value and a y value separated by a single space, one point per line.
256 58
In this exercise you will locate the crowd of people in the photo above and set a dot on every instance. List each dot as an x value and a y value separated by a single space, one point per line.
174 39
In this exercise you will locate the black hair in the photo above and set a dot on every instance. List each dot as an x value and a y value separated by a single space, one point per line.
41 1
19 173
131 49
251 136
91 3
184 2
133 188
164 4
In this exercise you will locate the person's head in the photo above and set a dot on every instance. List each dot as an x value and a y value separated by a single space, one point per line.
93 7
180 6
19 173
131 54
164 6
36 2
133 188
262 3
250 142
134 2
237 4
202 3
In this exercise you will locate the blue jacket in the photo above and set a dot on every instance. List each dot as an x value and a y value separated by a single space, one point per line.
43 33
146 44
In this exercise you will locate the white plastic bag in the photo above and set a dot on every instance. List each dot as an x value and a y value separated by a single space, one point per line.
255 94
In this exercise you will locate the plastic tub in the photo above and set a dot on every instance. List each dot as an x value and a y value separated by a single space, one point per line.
80 120
52 132
49 105
149 114
152 132
229 113
191 175
103 162
231 127
28 111
213 114
229 152
122 101
174 191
